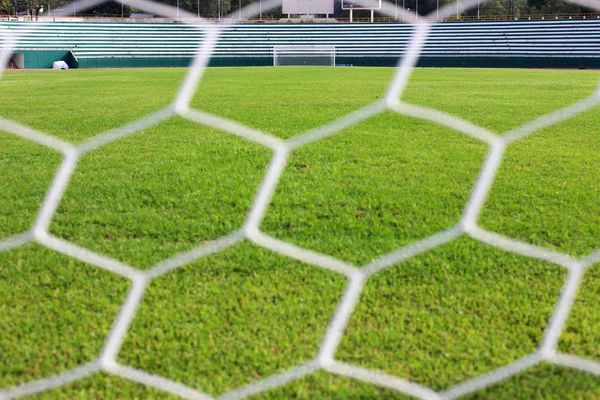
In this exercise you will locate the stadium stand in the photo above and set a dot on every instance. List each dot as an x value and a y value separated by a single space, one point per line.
538 44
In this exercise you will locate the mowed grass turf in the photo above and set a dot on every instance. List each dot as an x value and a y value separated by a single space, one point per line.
246 313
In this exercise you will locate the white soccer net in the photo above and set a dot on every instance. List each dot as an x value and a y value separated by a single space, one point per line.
303 55
106 361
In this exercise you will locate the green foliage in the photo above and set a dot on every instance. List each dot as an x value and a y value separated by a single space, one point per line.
555 6
34 8
6 6
504 7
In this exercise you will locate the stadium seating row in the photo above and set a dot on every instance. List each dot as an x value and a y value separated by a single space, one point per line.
540 43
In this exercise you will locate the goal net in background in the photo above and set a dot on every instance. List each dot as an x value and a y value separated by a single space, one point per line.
357 277
303 55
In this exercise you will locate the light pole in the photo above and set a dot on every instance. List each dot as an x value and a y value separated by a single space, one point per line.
437 10
123 2
404 8
240 10
396 10
198 9
477 9
260 9
177 9
417 9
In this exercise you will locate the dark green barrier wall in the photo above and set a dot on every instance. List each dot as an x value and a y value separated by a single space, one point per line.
43 59
137 62
464 61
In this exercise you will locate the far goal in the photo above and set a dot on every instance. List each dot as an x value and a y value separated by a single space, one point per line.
303 55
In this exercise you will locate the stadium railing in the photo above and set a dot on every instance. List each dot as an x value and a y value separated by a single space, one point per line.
379 19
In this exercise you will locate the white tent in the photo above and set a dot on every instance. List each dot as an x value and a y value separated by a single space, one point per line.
59 65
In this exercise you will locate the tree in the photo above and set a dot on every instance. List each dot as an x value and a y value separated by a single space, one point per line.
35 7
208 8
111 8
554 7
6 6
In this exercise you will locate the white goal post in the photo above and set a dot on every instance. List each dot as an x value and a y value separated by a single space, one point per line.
303 55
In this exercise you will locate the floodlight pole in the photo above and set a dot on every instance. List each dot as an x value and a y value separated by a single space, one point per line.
437 10
198 9
123 2
396 10
417 10
240 10
260 9
477 9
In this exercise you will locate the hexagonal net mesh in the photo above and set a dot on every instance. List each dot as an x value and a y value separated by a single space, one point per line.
325 360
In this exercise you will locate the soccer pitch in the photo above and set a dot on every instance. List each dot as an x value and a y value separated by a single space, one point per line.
246 313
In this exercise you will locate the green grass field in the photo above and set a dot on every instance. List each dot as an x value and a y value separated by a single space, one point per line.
230 319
